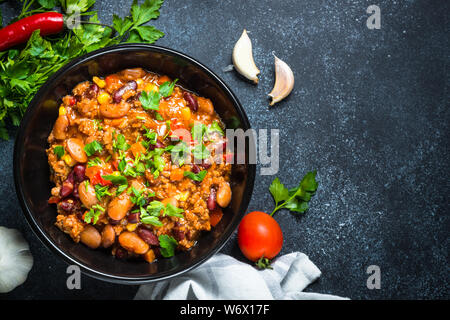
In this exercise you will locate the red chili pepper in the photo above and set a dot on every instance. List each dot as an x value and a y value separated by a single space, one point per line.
97 178
20 31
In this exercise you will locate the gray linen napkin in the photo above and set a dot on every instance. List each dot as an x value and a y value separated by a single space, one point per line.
223 277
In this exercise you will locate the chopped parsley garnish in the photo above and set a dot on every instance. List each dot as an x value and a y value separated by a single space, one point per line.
196 177
179 153
101 191
214 127
121 189
120 143
93 214
94 162
150 100
200 152
172 211
198 132
166 88
158 116
168 245
93 147
151 135
59 151
150 214
116 179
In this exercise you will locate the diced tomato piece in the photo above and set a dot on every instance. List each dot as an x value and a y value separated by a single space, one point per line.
112 81
72 101
215 216
53 199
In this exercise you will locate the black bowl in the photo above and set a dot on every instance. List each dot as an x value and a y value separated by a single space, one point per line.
31 170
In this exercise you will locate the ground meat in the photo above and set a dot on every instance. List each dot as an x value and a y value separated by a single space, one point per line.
71 225
112 138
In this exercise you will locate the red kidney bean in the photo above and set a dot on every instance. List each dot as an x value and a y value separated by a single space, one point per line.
92 91
148 236
130 85
133 217
206 164
75 191
195 168
179 234
67 186
211 202
94 88
157 252
67 205
114 222
191 101
79 173
121 253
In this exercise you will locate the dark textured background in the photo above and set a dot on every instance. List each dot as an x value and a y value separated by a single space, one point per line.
369 111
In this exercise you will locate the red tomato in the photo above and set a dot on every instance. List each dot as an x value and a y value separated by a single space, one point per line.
259 235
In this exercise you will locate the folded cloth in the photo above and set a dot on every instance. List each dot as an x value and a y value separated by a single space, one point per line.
223 277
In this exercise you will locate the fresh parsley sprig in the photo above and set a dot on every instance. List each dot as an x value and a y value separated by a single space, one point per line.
23 70
295 199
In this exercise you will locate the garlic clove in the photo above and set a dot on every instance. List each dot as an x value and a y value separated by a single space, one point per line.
243 58
15 259
284 81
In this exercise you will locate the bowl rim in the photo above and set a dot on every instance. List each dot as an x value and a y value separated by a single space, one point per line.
41 234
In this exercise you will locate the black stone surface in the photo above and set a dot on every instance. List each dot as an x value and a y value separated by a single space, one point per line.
370 112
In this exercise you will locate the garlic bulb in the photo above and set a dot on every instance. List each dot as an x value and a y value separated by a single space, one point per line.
243 58
15 259
284 81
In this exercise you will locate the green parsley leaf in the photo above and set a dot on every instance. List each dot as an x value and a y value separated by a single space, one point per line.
146 11
173 211
121 189
166 88
120 143
59 151
200 152
93 147
198 132
150 100
278 191
120 180
155 208
179 153
158 116
93 214
101 191
168 245
94 162
215 127
148 219
196 177
296 199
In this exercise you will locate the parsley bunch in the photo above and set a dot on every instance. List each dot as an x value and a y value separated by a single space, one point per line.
23 70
